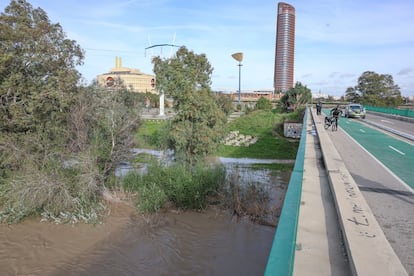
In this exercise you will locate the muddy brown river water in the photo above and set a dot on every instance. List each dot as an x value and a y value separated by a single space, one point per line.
211 242
188 243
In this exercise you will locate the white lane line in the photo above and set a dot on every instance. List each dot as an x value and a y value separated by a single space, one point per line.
363 131
385 121
400 152
381 164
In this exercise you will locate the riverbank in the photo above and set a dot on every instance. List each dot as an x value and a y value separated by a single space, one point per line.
212 241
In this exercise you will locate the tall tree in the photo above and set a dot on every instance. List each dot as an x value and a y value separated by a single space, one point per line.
296 97
198 126
377 89
352 95
183 74
37 68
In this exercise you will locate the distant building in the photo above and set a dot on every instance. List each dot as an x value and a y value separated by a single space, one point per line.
130 78
285 48
250 95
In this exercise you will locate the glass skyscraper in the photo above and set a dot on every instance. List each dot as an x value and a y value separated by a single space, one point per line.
285 48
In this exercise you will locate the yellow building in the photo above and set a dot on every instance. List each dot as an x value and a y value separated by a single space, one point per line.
128 77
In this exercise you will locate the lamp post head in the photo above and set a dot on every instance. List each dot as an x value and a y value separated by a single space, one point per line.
238 56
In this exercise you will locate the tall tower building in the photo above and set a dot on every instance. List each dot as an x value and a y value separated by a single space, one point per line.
285 48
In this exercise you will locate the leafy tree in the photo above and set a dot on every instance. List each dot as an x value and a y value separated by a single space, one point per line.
37 69
296 97
183 74
352 95
375 89
225 102
103 122
198 127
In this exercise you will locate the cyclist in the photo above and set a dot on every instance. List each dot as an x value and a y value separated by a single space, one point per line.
335 112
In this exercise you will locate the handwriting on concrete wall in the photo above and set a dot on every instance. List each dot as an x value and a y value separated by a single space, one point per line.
359 218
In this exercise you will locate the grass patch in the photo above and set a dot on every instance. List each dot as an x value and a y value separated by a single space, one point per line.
148 135
267 147
271 144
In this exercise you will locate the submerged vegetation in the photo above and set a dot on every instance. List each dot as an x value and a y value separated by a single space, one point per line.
184 186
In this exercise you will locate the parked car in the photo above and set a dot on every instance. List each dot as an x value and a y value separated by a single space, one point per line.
342 108
355 111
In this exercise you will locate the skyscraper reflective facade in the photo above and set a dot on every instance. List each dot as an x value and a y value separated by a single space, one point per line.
285 48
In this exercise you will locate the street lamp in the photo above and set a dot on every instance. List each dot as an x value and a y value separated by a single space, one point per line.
239 58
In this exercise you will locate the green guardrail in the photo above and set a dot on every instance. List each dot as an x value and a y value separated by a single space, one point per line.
282 254
393 111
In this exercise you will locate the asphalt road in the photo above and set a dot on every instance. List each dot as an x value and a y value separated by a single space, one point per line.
393 125
390 198
398 125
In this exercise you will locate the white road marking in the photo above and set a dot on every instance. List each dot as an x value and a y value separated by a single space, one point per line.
381 164
363 131
385 121
400 152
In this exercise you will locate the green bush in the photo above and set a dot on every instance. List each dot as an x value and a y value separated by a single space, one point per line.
263 104
151 198
225 102
187 187
52 191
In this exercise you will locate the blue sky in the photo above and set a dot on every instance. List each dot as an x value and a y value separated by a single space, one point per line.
336 40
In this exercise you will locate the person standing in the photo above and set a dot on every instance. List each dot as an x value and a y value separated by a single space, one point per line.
318 107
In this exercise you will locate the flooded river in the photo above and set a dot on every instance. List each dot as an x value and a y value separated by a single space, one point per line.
211 242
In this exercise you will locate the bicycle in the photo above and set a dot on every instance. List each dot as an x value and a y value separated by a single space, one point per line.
331 121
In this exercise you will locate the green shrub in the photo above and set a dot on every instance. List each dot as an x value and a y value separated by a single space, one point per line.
187 187
225 102
52 191
264 104
151 198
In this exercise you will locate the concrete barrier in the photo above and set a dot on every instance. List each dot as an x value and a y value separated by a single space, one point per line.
369 252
